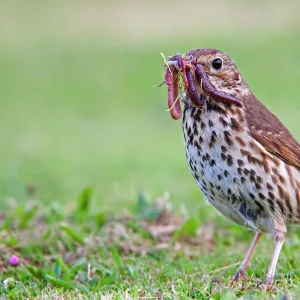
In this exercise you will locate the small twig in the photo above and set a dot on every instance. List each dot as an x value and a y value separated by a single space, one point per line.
225 267
166 62
169 109
89 271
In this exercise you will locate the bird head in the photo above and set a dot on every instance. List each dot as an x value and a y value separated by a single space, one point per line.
221 71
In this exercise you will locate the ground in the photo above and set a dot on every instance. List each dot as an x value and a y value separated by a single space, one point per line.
96 196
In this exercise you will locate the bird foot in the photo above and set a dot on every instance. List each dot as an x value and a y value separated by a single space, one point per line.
240 274
267 286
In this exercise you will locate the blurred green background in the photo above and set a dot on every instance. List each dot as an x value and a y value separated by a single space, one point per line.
80 103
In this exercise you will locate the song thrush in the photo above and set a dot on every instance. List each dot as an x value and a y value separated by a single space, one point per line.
244 160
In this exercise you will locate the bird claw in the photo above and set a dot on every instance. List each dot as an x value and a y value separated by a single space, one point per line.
240 274
268 286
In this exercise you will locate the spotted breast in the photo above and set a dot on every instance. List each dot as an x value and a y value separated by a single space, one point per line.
245 183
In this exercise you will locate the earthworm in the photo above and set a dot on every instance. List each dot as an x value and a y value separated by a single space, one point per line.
210 90
182 67
179 60
198 101
173 102
184 75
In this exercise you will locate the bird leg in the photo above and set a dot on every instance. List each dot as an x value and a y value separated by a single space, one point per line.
267 284
244 266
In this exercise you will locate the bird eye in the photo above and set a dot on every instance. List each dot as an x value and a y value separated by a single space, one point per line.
217 63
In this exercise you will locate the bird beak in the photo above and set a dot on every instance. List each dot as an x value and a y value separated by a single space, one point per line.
207 70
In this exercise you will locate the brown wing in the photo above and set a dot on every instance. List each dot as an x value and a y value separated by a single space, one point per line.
271 133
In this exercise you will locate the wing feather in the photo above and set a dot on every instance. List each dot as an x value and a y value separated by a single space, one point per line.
267 129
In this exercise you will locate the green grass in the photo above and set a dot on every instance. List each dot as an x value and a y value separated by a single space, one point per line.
134 255
84 110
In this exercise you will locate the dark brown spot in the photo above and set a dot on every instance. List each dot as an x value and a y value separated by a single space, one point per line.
275 171
271 203
266 166
284 195
195 131
270 187
228 138
274 179
240 115
240 141
257 186
243 179
193 111
197 116
197 145
246 171
213 139
247 212
281 178
261 196
245 152
290 209
259 179
271 195
216 108
252 172
203 125
297 193
212 163
290 175
240 162
191 139
210 123
195 128
226 173
276 161
261 208
189 132
223 148
233 198
223 122
220 177
279 203
252 196
235 125
223 156
254 160
229 160
252 178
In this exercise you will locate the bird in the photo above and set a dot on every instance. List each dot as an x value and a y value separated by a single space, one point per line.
244 160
